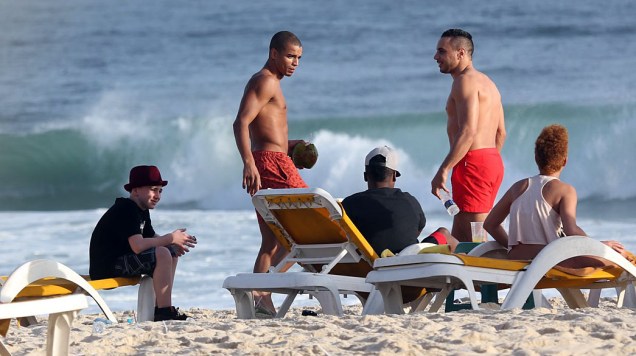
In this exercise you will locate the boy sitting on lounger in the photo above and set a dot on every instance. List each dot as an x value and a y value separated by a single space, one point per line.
387 217
124 243
542 208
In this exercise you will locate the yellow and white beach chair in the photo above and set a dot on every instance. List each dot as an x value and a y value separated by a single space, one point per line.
335 257
455 271
61 309
46 278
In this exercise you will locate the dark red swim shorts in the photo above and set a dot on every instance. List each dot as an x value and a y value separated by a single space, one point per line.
277 171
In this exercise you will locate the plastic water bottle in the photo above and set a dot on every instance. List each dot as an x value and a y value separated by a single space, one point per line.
131 319
449 204
99 325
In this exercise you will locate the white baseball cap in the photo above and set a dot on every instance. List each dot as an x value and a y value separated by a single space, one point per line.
390 156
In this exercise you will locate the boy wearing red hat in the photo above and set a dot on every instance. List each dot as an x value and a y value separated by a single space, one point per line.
125 244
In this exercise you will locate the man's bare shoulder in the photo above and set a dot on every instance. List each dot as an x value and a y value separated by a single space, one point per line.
264 76
464 83
263 80
474 81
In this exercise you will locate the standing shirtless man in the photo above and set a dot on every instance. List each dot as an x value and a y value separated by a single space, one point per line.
476 133
260 130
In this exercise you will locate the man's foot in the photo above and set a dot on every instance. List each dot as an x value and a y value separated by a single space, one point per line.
169 313
263 305
262 313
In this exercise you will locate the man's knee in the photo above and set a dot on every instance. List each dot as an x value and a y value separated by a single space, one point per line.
444 231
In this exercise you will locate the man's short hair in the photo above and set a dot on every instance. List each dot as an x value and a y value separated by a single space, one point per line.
551 148
282 39
460 38
376 171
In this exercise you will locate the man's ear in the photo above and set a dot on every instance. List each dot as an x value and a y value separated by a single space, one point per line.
565 161
394 176
461 52
273 53
365 176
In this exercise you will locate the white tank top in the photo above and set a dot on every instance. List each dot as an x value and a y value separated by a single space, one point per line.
532 219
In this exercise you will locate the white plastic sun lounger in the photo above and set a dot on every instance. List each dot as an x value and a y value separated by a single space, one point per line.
321 238
447 272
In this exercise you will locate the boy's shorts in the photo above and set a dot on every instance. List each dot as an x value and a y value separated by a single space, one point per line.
476 180
135 265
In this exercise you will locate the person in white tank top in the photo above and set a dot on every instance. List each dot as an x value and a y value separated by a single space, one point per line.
542 208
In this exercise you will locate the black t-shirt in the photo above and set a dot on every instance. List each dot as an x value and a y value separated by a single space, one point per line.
110 237
386 217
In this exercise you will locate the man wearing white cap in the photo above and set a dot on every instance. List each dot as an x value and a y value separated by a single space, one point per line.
386 216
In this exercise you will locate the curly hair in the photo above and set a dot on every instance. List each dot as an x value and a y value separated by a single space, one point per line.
551 148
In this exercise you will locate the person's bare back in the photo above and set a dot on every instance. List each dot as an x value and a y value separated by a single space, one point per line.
473 85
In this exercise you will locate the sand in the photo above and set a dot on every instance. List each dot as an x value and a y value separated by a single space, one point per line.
557 331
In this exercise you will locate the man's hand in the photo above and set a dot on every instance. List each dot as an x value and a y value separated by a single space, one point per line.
183 241
251 179
439 182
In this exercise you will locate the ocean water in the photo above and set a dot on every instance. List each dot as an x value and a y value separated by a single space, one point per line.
88 90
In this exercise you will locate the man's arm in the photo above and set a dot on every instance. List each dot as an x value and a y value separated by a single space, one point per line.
257 94
500 137
178 237
466 98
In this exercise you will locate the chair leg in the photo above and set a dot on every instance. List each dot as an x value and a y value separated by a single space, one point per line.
146 300
630 296
244 301
441 298
59 329
489 293
3 349
282 310
573 297
374 305
329 301
421 303
392 297
594 297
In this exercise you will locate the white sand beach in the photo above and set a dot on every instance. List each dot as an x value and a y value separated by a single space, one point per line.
558 331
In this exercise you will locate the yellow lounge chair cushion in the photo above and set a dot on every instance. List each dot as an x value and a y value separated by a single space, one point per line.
47 287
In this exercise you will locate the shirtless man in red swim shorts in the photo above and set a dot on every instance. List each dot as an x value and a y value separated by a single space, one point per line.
476 133
260 130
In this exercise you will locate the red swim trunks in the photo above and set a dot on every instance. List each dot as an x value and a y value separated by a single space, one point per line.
476 180
277 170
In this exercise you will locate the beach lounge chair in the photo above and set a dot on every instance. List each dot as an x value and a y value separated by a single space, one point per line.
61 310
45 278
335 257
454 271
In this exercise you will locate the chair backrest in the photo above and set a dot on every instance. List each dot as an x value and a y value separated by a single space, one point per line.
310 224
